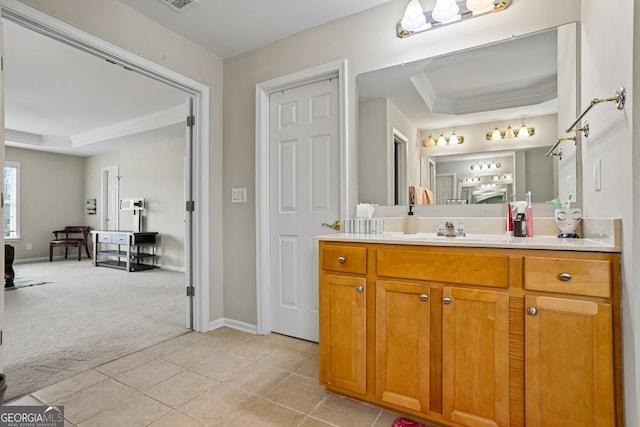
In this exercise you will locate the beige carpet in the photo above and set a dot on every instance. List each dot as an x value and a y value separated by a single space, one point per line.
83 317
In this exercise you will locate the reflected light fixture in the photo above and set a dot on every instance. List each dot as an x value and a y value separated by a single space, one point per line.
415 20
443 140
446 11
509 133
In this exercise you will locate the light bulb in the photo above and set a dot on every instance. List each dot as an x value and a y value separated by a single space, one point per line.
453 139
413 18
509 132
480 6
445 11
523 132
495 135
442 140
429 142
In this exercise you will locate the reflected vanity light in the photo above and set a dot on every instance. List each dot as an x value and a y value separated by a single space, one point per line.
415 20
508 133
443 140
486 166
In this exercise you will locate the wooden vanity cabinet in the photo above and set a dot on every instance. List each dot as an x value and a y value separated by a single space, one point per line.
473 336
343 318
570 375
402 344
475 356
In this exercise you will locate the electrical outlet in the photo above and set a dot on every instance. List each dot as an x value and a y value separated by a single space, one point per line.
238 195
597 175
29 246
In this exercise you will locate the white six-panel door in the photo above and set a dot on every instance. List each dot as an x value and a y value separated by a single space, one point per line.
303 194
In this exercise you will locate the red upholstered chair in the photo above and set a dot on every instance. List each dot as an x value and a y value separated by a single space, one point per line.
77 236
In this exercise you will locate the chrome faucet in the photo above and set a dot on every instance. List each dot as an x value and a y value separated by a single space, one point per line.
448 229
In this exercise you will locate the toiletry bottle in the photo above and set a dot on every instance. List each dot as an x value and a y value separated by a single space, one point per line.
529 215
509 231
520 220
410 222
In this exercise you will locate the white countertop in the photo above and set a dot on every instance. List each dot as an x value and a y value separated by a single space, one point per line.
604 244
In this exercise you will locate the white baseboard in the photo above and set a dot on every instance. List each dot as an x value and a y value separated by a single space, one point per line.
42 259
233 324
171 268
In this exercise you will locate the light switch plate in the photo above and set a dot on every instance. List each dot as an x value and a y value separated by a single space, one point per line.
238 195
597 175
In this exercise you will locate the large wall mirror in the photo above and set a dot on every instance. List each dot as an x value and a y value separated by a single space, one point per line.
471 127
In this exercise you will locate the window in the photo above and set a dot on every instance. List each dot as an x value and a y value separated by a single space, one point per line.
11 200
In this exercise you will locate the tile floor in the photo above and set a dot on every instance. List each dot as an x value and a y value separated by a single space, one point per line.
221 378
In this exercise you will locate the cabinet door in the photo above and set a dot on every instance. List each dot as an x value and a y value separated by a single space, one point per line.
343 332
569 363
402 344
475 357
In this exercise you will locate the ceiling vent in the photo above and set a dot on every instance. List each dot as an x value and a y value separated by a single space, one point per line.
180 5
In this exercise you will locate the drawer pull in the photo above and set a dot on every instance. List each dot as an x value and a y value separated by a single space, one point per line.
532 311
565 277
446 300
424 297
342 259
359 289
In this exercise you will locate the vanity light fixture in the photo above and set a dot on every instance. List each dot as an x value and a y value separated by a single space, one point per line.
443 140
445 12
508 133
485 166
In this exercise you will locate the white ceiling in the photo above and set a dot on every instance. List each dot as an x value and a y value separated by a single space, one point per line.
231 27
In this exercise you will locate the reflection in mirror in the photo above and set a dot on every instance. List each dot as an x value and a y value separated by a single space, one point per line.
495 177
463 97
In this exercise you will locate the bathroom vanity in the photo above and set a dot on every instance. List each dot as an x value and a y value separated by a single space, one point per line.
473 332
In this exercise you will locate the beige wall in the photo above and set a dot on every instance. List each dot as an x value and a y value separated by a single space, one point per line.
117 23
608 61
156 173
368 42
51 197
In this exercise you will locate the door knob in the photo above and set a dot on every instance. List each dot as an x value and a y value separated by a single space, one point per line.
336 225
532 311
359 289
424 297
446 300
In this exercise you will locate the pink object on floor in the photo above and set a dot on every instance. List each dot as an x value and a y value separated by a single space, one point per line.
404 422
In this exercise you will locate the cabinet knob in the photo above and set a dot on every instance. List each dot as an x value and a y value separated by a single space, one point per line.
565 277
532 311
424 297
359 289
446 300
342 259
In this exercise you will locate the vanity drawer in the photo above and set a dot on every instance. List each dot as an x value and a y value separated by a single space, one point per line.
445 267
347 259
120 239
104 238
568 276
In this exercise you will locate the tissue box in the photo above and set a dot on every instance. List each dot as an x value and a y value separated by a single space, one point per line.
363 225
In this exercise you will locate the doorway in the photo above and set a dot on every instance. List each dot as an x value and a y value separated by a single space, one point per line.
197 171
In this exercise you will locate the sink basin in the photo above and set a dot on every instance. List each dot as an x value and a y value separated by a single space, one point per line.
467 238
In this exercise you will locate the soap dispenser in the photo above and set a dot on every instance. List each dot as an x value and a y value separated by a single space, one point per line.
410 222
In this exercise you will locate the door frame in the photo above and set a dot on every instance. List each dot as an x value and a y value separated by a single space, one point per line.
263 90
104 195
200 276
